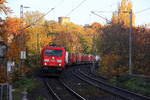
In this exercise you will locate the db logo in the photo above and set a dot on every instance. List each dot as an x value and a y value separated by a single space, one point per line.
52 60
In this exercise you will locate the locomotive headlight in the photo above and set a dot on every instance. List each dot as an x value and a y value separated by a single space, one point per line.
46 59
45 64
59 61
59 64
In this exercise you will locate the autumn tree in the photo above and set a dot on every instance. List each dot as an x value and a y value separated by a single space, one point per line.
113 47
90 39
35 21
2 28
95 26
34 18
6 10
73 37
123 14
68 36
12 34
3 7
141 50
37 38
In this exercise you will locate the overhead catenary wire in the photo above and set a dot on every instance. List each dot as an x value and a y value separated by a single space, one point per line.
143 10
76 7
108 21
93 12
146 9
105 11
41 16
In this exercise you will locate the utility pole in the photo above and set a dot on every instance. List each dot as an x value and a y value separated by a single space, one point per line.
130 44
94 53
22 40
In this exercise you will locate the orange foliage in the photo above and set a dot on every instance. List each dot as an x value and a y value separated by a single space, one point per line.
141 50
3 77
3 7
114 49
13 50
123 14
13 25
96 26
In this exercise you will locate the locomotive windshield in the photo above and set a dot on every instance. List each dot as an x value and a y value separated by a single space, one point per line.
53 52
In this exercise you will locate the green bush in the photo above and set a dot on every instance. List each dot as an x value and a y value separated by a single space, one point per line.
26 83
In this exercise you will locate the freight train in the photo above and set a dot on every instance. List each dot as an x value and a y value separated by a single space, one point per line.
55 58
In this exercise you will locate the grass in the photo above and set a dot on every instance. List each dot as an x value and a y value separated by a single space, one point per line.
137 85
40 98
24 83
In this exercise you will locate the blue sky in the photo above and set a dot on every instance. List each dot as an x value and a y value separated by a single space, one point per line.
81 15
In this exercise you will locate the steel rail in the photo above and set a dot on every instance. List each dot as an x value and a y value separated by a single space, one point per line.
140 76
51 90
71 90
78 76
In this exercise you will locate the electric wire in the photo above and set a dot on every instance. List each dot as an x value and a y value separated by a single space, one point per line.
143 10
108 21
105 11
39 19
116 11
74 10
76 7
146 9
42 16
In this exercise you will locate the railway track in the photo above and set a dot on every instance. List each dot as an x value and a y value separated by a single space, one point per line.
119 92
86 90
140 76
87 70
61 91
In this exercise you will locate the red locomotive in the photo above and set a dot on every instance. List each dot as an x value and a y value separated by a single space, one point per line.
55 58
